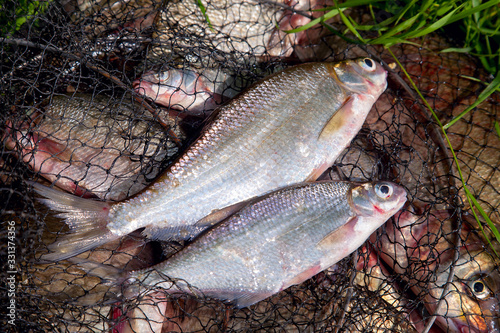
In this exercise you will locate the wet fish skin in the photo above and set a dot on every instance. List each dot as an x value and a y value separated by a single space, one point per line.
287 129
155 309
195 92
89 145
97 16
406 245
375 306
186 90
275 241
234 27
476 144
373 276
230 35
248 134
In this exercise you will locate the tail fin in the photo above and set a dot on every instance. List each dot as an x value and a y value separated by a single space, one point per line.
87 220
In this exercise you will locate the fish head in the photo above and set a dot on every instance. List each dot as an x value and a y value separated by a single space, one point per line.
363 76
180 89
472 303
378 198
418 246
172 78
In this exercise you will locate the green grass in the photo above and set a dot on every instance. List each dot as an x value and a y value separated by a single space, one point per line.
494 85
13 14
204 12
478 21
473 203
478 24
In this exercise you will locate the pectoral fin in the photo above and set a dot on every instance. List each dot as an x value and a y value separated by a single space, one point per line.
337 121
338 235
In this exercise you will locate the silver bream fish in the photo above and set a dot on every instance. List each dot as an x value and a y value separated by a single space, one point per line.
287 129
275 241
93 145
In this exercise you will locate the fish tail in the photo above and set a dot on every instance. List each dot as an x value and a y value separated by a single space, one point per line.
87 220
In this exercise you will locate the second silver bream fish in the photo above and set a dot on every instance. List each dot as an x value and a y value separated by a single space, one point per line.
286 129
275 241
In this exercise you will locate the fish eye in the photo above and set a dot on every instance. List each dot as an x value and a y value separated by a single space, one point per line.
155 78
383 190
368 64
479 289
162 77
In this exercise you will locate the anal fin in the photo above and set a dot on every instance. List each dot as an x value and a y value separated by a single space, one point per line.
241 299
317 172
302 276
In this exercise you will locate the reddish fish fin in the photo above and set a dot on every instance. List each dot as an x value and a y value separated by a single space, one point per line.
117 319
87 220
337 121
52 147
317 172
242 300
335 236
302 276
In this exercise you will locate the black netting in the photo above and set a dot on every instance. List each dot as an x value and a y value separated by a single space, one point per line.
74 116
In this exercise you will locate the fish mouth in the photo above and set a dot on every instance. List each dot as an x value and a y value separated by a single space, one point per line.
380 82
402 198
141 86
468 329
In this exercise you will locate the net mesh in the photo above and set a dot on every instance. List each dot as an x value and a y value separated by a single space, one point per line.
74 115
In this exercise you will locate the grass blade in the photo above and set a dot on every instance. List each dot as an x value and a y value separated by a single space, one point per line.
349 25
457 50
494 85
348 4
473 10
332 12
477 80
436 25
472 201
395 30
476 204
204 12
321 19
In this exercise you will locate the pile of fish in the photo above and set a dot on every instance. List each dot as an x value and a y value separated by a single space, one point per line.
152 217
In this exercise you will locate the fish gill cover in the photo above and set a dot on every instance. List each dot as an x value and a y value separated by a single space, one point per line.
98 98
